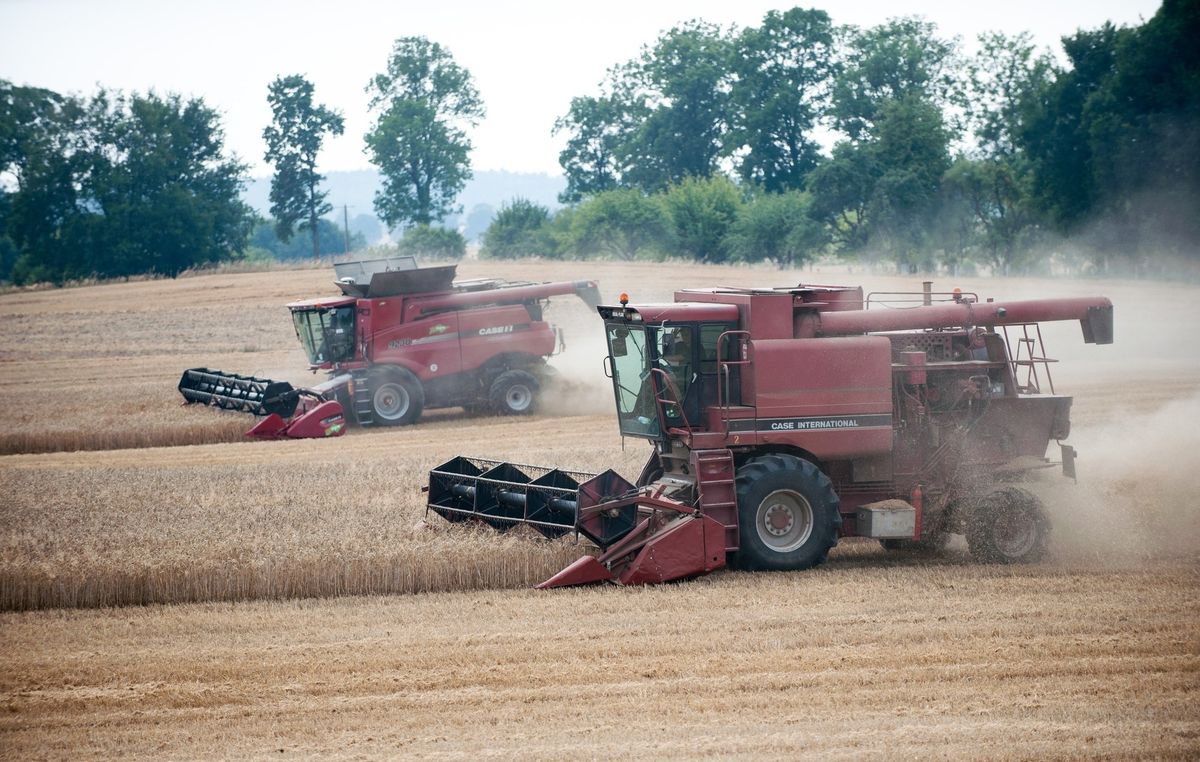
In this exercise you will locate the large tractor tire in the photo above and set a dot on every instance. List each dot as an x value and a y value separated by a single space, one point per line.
787 514
514 392
397 397
1007 526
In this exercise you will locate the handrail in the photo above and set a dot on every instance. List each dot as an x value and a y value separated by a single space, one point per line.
723 372
918 298
1031 345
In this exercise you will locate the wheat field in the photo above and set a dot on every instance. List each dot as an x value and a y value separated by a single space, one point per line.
238 551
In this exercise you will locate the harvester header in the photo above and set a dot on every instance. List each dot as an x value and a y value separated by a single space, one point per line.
782 419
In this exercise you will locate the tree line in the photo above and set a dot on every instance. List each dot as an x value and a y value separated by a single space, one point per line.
938 158
786 141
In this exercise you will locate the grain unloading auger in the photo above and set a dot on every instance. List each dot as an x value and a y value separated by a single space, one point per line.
784 419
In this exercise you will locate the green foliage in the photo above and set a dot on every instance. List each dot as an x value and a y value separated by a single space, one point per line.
520 229
661 118
701 213
594 158
619 223
1004 81
780 93
683 83
902 59
997 195
293 141
425 242
331 240
1113 140
779 228
118 185
882 193
1056 138
8 249
842 188
912 149
423 103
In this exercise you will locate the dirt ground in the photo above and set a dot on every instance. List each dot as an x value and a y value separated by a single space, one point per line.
1095 652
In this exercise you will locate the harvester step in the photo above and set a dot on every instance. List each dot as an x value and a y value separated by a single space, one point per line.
364 413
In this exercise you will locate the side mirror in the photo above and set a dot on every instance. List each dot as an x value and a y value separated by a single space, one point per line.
618 346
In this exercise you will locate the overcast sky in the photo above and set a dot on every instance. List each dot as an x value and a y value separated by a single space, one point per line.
528 58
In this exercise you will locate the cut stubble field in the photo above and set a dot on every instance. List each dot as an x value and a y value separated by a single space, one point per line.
1094 652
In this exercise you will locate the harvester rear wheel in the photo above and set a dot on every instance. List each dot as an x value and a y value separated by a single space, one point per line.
396 397
1007 526
514 392
787 514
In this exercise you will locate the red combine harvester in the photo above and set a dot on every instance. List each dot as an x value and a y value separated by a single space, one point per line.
783 419
400 339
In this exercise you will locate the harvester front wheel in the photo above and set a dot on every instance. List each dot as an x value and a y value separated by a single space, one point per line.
514 392
787 514
396 397
1007 526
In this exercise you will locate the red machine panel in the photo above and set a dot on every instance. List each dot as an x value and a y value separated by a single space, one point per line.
429 347
486 333
832 397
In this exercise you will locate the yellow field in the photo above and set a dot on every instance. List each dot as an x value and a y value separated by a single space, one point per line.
1094 652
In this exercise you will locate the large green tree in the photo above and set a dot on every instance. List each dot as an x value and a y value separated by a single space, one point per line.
881 193
913 151
994 181
598 131
293 141
42 134
1115 140
120 185
902 58
661 117
423 104
783 71
684 79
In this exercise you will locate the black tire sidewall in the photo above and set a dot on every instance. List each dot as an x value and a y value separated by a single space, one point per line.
410 384
498 393
987 515
762 476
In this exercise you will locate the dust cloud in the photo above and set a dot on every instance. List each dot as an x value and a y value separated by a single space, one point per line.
1138 490
580 386
1135 422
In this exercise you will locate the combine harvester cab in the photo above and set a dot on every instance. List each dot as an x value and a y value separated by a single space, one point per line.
401 339
784 419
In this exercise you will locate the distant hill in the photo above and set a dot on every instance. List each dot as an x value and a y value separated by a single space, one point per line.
357 190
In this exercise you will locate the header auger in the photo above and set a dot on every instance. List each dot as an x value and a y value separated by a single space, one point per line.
784 419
